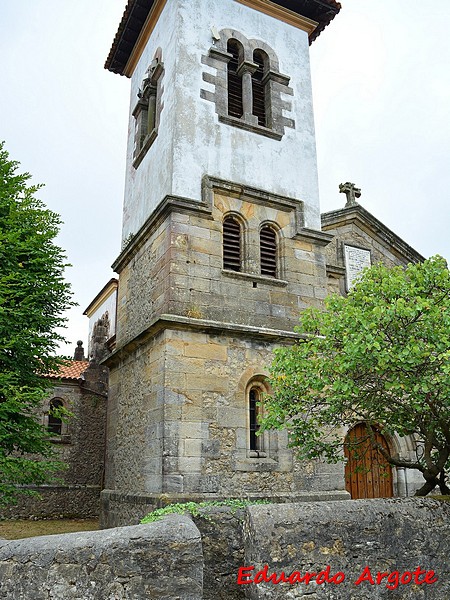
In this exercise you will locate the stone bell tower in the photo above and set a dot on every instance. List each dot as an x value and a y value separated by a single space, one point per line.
221 247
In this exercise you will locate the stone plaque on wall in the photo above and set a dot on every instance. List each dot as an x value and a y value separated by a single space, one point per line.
356 259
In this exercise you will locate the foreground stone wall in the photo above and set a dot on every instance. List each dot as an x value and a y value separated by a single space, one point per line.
161 560
391 536
177 558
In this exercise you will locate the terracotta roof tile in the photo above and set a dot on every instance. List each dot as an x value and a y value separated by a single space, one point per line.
71 370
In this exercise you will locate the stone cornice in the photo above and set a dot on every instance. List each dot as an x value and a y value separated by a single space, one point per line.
319 238
335 271
102 296
204 208
164 208
179 322
282 14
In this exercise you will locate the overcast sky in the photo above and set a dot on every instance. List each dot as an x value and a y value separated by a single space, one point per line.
381 80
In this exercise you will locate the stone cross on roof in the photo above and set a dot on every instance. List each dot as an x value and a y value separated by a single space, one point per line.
351 191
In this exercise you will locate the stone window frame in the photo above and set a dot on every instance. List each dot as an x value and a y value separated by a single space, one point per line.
63 437
147 111
237 216
248 238
233 216
278 237
275 84
275 456
256 449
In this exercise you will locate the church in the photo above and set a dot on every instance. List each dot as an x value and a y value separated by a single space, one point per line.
223 246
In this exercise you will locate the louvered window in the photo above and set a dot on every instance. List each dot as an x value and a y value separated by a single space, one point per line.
258 89
231 244
268 251
235 107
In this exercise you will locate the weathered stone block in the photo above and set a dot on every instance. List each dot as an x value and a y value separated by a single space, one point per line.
210 351
159 560
193 447
211 448
223 551
386 535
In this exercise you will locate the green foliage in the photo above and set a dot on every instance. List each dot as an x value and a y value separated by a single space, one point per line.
33 296
379 356
195 508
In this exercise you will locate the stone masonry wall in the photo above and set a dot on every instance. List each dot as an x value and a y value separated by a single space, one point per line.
182 424
160 560
357 227
179 269
178 559
386 535
81 448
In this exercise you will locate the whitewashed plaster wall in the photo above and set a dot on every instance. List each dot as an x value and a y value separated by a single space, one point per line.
192 143
147 185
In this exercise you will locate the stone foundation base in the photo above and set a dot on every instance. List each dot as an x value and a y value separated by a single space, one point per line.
118 508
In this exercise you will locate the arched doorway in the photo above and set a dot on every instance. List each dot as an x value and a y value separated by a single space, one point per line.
367 473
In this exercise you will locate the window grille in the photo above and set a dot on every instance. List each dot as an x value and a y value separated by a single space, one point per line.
231 244
268 251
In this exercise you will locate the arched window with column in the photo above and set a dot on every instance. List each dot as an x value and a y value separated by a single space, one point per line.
249 89
148 109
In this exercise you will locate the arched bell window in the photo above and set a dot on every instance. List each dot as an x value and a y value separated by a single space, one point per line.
235 104
250 91
268 251
232 251
148 108
260 58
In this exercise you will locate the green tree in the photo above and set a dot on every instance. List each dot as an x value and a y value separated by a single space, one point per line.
33 296
380 356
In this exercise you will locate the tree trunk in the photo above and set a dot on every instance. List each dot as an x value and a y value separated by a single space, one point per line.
445 490
427 487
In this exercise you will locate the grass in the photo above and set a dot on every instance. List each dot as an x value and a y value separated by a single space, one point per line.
194 508
15 530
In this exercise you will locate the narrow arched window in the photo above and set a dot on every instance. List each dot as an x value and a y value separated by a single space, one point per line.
255 441
258 88
231 244
268 251
235 105
148 108
54 422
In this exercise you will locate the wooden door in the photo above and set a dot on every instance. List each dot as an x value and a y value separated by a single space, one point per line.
367 473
